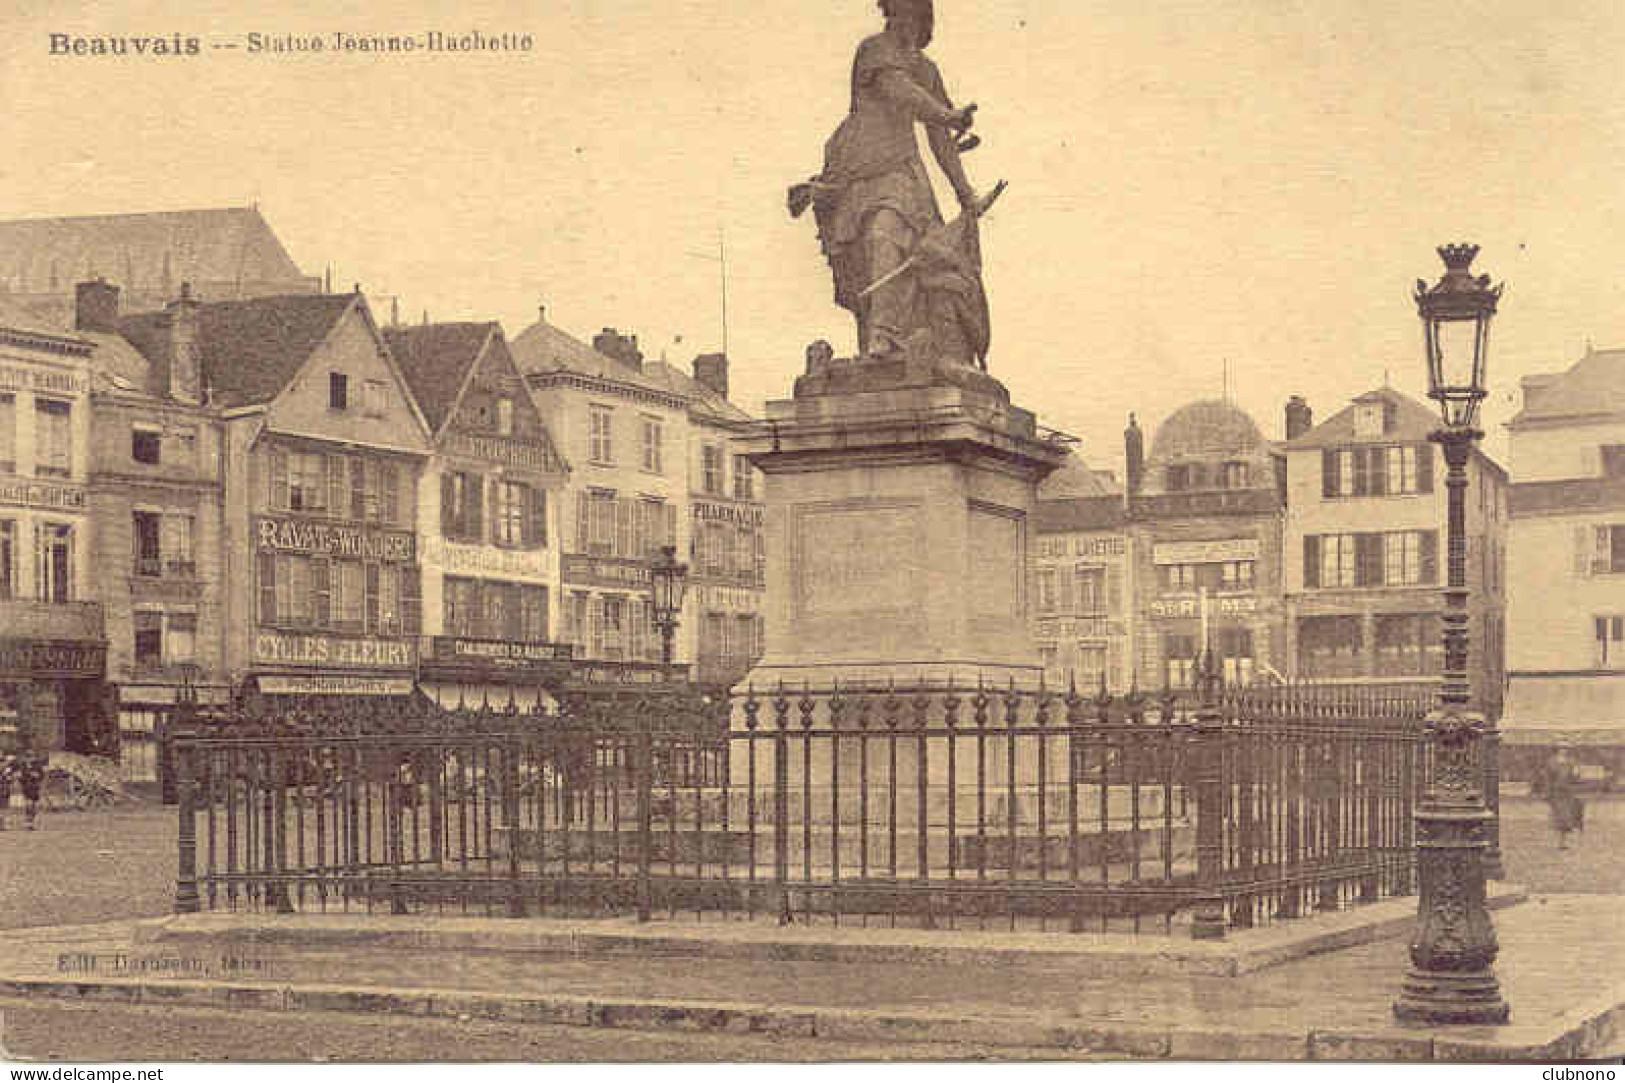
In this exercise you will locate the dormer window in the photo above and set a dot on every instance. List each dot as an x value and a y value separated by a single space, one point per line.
1235 475
1183 477
146 445
1370 419
338 391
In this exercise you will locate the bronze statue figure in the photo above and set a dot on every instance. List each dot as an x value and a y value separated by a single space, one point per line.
913 283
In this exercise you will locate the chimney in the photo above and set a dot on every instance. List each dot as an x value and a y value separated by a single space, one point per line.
623 348
1133 456
96 306
711 369
1299 418
176 372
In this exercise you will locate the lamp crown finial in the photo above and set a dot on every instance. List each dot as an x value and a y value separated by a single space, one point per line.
1458 257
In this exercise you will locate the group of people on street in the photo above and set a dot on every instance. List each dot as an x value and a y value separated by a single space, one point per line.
27 768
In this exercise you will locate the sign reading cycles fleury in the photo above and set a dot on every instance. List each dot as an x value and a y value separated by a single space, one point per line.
278 535
291 649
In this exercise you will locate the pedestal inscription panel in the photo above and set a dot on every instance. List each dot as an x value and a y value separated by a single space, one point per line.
997 561
857 558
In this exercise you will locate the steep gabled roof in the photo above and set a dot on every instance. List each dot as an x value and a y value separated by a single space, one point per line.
142 251
1409 422
435 359
250 350
1593 385
14 317
1076 513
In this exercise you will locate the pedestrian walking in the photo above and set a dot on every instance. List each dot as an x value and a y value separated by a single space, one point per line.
31 776
8 767
1560 783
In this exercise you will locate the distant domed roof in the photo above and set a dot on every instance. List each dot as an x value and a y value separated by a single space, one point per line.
1205 429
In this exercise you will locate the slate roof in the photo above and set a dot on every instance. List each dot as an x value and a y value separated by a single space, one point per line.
1411 421
542 348
14 317
1079 513
435 359
1593 385
1074 478
228 244
250 349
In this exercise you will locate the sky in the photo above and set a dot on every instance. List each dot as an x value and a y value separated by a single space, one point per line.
1204 198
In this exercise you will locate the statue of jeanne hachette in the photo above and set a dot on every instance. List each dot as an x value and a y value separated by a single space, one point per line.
913 283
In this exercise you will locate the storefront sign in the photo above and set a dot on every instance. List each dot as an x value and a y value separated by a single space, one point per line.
288 649
335 686
1205 552
752 515
506 452
605 571
333 540
1171 608
459 557
498 652
62 383
1077 546
729 599
36 494
1078 628
626 673
52 658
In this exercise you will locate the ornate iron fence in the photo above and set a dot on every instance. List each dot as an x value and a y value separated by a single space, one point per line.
929 804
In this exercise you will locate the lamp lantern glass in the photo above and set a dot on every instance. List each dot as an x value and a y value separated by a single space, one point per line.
1456 312
668 579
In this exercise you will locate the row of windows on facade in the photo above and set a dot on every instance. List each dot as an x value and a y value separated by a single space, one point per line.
630 528
341 486
491 609
1090 588
602 449
53 561
619 627
733 553
1222 575
1388 559
299 592
517 512
1396 470
53 436
1084 665
1185 477
164 639
1404 645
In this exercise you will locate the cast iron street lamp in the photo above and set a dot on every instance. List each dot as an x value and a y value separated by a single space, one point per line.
668 578
1451 979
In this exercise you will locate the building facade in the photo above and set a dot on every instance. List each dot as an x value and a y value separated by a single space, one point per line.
1205 510
652 464
1084 613
156 500
1566 566
1365 550
322 451
53 641
488 514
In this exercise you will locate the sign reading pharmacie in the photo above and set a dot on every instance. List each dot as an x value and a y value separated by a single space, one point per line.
52 658
338 652
751 515
276 534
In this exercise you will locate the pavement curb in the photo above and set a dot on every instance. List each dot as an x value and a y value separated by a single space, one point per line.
1082 955
1583 1032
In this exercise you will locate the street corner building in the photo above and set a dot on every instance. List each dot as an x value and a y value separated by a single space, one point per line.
53 641
654 461
1566 578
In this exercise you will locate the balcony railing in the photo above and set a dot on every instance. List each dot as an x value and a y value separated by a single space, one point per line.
22 618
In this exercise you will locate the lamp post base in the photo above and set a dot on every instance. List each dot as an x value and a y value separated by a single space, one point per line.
1436 996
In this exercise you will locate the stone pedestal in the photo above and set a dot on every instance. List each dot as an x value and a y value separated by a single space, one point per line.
899 510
